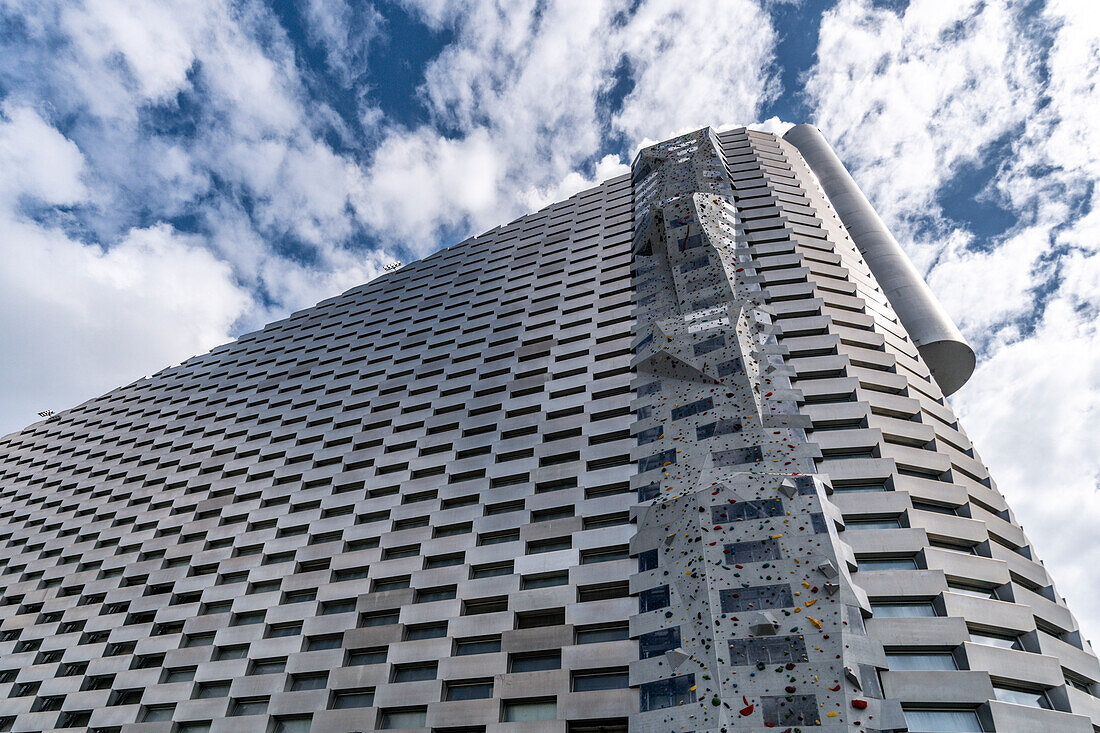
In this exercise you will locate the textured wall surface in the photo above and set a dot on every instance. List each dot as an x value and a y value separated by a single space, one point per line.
660 456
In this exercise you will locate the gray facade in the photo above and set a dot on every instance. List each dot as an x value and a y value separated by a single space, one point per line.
670 455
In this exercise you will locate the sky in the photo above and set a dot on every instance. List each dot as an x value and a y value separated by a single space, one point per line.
173 175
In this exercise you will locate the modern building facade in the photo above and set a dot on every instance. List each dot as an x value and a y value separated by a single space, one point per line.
673 454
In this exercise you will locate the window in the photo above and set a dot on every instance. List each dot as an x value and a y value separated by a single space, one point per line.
178 674
770 650
606 679
496 538
248 619
345 699
491 570
342 606
248 706
604 554
535 662
1019 696
296 724
943 721
378 618
426 631
1005 642
320 643
602 591
428 595
414 672
444 561
789 710
667 693
316 681
360 657
549 545
754 509
903 610
238 651
485 645
525 711
872 524
603 632
762 596
279 631
970 590
194 727
537 619
404 718
658 642
268 666
208 690
903 662
545 580
887 563
158 713
739 553
475 690
384 584
653 598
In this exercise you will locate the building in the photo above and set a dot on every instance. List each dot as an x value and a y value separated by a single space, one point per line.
673 454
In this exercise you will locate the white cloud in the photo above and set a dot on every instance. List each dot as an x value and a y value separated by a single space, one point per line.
521 92
37 160
694 68
87 320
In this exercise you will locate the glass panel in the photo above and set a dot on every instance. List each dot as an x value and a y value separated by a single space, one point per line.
353 699
903 610
525 712
943 721
607 633
902 662
477 646
403 719
1003 642
873 524
1031 698
888 563
535 663
479 691
601 681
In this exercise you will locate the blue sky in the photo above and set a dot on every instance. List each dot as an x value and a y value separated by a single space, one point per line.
174 174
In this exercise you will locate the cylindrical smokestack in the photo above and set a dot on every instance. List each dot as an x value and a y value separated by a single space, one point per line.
939 341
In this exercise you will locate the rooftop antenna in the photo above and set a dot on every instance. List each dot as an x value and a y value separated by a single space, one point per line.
45 413
392 266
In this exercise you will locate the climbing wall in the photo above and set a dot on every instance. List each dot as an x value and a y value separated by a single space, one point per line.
747 614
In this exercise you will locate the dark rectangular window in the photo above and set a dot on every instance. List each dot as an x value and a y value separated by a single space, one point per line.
535 662
466 647
723 426
739 553
692 408
714 343
737 456
653 598
749 599
656 461
769 650
658 642
790 710
754 509
667 693
616 679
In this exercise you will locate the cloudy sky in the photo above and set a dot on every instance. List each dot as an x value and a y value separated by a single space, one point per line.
173 174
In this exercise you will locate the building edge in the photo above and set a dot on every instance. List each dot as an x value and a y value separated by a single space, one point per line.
942 346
